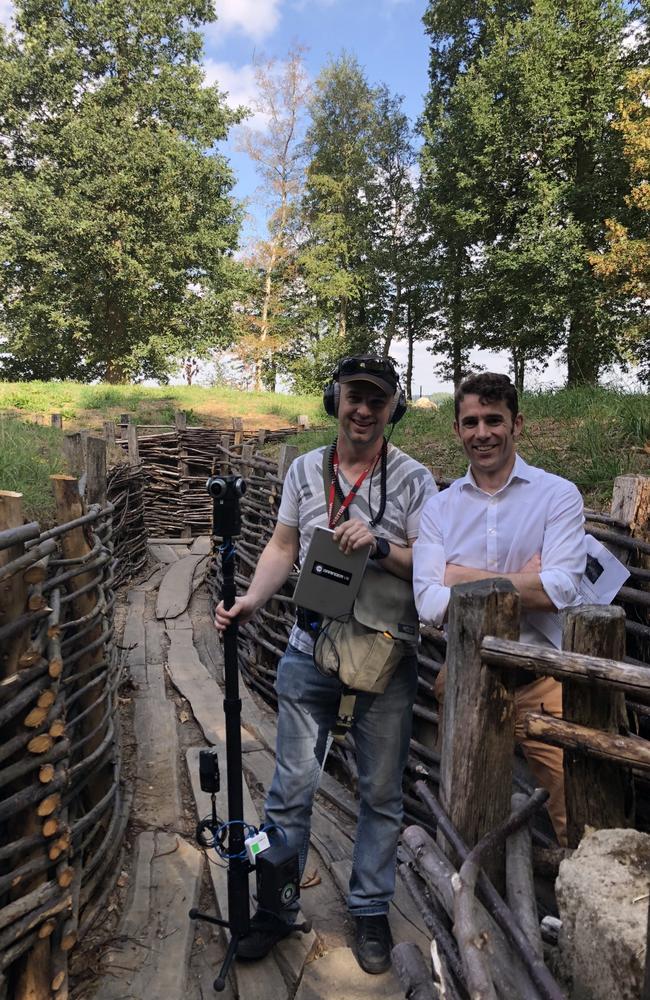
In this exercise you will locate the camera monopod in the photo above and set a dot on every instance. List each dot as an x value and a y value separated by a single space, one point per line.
277 869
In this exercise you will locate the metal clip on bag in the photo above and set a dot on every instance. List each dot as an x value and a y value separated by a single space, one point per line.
364 649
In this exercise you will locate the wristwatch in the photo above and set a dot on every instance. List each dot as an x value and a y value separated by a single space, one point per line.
382 548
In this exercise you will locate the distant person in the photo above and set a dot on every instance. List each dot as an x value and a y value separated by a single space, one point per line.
374 495
505 518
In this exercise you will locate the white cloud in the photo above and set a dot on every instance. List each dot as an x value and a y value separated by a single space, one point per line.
255 18
239 84
6 11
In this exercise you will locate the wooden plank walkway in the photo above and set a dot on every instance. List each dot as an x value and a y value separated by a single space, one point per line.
173 658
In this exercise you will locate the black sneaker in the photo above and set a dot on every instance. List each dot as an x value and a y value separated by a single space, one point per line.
265 932
374 943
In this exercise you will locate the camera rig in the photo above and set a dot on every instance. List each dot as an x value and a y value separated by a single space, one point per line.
245 848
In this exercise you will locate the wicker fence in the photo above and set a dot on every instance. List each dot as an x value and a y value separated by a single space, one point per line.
63 810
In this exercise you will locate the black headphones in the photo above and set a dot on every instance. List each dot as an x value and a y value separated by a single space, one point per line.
358 366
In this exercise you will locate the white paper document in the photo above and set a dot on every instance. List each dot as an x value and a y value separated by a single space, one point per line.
603 578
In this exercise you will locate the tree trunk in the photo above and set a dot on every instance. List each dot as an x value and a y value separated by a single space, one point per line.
518 369
456 325
391 326
409 358
342 323
583 365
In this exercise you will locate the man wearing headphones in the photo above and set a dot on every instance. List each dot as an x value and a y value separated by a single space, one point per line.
370 493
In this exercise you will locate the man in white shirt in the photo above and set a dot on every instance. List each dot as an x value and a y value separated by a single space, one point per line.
505 518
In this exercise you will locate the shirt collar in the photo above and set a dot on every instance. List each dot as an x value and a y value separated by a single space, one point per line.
520 470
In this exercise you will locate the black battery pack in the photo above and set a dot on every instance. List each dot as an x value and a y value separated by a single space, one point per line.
278 878
209 770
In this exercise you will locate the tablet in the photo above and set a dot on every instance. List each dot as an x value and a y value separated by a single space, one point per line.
329 579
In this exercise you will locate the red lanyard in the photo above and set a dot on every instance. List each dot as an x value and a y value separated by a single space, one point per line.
335 518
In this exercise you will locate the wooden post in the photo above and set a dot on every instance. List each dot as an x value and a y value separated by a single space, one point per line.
73 451
109 433
180 423
224 461
13 589
287 454
598 793
478 736
132 438
631 505
75 544
247 452
124 423
57 420
303 422
238 432
96 471
261 436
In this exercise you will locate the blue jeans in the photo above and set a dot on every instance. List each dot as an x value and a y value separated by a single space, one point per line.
307 709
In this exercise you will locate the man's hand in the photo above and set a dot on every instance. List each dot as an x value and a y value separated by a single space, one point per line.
244 608
352 535
534 565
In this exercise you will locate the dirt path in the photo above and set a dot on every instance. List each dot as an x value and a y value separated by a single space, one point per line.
155 951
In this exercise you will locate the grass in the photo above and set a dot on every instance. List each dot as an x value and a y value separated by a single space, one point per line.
587 435
87 406
29 454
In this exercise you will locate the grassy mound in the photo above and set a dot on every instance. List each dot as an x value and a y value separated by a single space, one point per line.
587 435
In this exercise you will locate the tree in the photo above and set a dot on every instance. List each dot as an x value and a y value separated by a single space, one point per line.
119 225
392 203
283 93
624 265
336 257
522 169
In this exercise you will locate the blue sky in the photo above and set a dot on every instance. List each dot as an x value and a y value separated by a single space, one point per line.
386 36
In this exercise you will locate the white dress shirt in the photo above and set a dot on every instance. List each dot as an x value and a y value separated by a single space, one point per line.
535 512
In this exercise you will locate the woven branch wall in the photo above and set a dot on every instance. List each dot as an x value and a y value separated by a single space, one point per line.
63 812
175 467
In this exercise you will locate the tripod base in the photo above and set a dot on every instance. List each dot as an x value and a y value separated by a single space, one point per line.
220 982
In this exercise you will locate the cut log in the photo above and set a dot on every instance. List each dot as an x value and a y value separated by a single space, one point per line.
413 973
510 977
520 883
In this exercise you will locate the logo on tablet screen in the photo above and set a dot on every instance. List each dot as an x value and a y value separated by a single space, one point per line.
331 573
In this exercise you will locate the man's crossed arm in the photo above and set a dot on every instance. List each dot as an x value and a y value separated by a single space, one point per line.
527 581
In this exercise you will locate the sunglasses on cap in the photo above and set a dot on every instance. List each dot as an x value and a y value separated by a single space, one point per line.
369 365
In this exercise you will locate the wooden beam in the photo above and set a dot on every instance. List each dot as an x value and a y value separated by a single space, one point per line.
598 793
478 733
625 751
592 670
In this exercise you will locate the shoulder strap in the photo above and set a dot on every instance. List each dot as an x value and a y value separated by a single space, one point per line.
328 472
